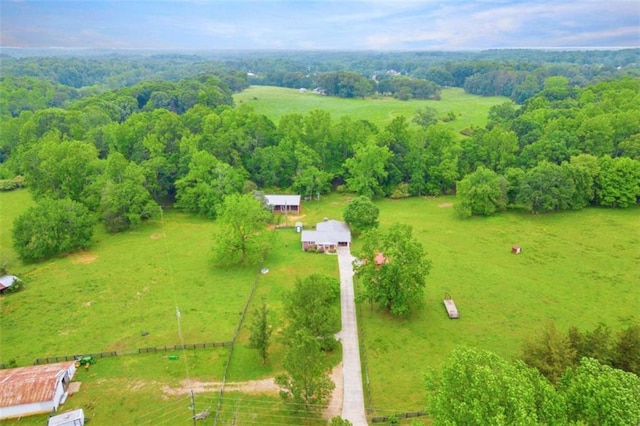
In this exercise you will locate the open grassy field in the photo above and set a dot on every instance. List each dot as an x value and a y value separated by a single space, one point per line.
274 102
577 269
104 298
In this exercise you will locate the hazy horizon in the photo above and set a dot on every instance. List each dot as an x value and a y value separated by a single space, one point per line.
322 25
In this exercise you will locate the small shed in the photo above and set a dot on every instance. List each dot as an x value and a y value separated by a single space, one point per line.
298 226
450 306
516 249
70 418
36 389
6 281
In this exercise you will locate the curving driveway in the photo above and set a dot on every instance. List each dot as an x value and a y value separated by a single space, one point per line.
353 397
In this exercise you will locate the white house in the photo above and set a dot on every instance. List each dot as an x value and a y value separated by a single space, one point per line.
36 389
329 234
284 203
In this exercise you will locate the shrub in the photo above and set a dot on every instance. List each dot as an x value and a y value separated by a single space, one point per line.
18 285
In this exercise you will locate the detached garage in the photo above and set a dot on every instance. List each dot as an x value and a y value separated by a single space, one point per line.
36 389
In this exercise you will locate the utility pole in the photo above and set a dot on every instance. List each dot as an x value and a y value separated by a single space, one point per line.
193 408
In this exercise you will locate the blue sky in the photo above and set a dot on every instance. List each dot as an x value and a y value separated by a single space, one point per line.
319 24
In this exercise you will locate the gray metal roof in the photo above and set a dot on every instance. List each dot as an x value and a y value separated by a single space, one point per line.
283 200
7 281
328 232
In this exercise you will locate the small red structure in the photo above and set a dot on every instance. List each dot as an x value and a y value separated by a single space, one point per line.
380 259
516 249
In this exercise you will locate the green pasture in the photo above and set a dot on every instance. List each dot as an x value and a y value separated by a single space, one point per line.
274 102
576 269
104 298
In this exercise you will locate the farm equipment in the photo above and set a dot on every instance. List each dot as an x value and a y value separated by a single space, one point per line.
85 360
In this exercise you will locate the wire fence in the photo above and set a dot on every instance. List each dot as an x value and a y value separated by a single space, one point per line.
151 349
363 359
235 337
410 414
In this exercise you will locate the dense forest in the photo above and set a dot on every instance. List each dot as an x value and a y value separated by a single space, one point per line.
123 135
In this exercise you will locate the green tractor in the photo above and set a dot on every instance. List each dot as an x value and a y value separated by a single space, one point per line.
85 360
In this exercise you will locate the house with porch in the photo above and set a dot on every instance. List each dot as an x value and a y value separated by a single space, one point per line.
328 235
284 203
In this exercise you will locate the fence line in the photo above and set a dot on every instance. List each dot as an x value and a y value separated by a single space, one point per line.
363 357
235 337
398 416
152 349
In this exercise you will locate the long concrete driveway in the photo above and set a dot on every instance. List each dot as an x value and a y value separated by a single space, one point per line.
353 397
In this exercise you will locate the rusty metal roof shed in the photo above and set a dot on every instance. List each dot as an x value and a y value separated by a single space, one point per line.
26 385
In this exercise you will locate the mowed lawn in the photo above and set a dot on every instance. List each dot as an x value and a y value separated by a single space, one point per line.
576 269
274 102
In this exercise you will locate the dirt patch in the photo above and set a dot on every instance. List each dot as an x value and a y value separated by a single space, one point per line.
250 387
87 304
264 386
334 408
73 387
84 258
157 235
445 205
292 217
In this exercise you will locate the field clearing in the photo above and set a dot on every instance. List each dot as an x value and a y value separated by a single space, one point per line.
576 269
102 300
274 102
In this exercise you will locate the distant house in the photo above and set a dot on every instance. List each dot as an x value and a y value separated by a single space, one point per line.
329 234
6 281
70 418
284 203
35 389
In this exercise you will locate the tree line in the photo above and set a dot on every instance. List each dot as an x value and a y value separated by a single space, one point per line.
123 153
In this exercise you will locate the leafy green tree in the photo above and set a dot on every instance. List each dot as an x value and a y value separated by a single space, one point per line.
514 177
501 114
52 227
618 182
61 169
243 238
366 169
551 353
441 156
361 214
396 285
627 350
482 192
477 387
547 187
597 394
306 382
313 305
596 344
426 116
311 180
260 338
125 202
396 136
208 182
